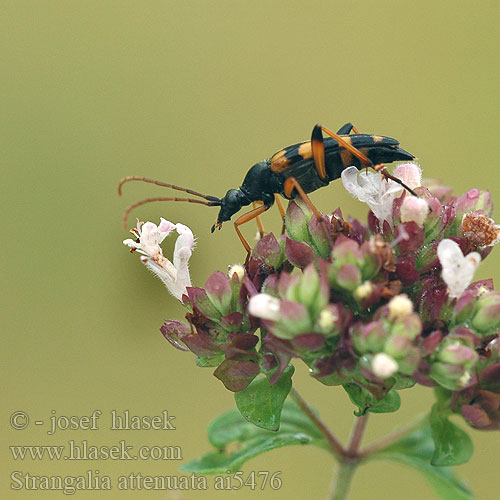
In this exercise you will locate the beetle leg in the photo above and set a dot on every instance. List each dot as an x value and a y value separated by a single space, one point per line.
290 184
280 206
347 128
318 152
246 218
260 227
282 212
346 143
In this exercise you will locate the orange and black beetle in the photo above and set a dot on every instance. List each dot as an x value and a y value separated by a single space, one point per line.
294 170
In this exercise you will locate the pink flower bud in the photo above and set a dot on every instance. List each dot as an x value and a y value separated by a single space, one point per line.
474 199
219 291
414 209
410 174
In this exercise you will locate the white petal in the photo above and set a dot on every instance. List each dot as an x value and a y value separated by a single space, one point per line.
237 269
165 228
186 234
349 178
181 261
174 275
264 306
372 189
458 271
183 249
150 239
161 271
131 243
383 365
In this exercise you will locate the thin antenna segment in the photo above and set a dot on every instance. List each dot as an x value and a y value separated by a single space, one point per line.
164 184
162 198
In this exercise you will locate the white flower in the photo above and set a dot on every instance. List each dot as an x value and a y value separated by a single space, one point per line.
174 275
264 306
383 365
376 191
400 306
327 319
458 270
237 269
363 291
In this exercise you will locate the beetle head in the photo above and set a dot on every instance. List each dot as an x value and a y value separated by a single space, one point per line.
232 201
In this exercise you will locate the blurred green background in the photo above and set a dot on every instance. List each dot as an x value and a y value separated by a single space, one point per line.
194 93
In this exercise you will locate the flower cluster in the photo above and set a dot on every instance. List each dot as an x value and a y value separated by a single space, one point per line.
379 306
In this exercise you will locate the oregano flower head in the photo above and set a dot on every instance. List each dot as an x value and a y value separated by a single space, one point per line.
375 307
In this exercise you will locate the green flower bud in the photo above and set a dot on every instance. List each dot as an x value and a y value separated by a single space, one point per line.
450 377
457 353
308 289
370 337
296 221
294 320
348 277
318 230
397 346
371 262
409 362
455 360
409 327
346 251
486 320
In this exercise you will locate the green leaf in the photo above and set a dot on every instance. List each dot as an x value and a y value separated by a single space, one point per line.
220 462
261 403
215 360
453 445
367 402
231 428
416 450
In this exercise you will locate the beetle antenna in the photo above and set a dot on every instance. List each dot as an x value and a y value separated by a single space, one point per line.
164 184
211 203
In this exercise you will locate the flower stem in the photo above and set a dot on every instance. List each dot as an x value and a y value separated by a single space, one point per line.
357 435
393 437
349 462
343 479
336 447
